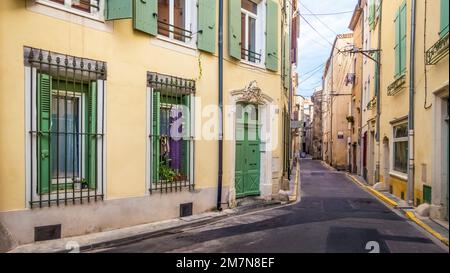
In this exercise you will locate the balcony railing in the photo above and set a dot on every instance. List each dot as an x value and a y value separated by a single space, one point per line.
250 56
164 27
438 51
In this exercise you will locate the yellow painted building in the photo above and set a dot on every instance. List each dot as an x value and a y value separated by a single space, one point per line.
336 103
414 144
110 76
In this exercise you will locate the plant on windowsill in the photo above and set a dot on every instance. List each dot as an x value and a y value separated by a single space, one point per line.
166 173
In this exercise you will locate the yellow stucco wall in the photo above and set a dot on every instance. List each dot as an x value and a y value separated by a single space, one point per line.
394 107
129 55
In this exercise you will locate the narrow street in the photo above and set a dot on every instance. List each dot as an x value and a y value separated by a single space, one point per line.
333 216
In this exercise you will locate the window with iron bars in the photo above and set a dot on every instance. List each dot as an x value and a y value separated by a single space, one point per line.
171 133
65 124
175 19
88 6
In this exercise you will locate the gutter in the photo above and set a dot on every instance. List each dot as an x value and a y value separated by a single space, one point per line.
220 104
377 135
411 105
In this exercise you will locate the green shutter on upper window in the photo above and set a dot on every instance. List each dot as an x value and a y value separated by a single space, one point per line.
372 12
234 28
397 43
272 35
91 142
145 16
444 18
44 123
206 37
156 123
403 38
118 9
286 61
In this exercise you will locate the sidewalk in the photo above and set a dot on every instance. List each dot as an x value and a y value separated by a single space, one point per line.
439 231
140 232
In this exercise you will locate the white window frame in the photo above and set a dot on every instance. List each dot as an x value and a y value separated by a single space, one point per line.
31 140
260 37
82 144
395 140
190 24
97 15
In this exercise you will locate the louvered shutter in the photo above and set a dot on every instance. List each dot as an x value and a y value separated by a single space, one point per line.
44 123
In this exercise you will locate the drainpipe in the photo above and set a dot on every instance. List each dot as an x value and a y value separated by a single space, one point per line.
377 135
411 105
220 49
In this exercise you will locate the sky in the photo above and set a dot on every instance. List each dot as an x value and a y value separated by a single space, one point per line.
314 48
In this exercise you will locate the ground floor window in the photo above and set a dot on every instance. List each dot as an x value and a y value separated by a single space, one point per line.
171 133
65 144
400 146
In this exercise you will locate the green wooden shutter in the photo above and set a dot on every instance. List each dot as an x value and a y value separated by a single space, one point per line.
372 14
397 43
444 18
118 9
91 168
286 61
156 122
377 74
206 38
44 123
272 36
234 28
145 16
403 38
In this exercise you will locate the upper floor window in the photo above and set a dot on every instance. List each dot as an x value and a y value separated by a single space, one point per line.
251 33
175 19
83 7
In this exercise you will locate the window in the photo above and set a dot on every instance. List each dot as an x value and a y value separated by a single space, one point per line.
250 17
174 20
171 133
93 7
65 143
400 41
401 148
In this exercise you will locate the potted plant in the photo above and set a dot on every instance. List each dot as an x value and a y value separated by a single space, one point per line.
166 173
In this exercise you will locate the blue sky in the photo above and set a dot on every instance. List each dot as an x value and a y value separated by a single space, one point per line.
314 48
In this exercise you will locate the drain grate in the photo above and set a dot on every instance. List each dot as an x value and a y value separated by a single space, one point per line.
186 209
45 233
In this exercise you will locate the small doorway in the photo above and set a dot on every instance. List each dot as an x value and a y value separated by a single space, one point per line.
365 156
248 159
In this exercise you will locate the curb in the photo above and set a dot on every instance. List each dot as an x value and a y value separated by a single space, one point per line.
381 196
419 222
409 214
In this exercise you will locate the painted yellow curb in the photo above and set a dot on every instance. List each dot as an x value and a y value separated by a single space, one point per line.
381 196
416 220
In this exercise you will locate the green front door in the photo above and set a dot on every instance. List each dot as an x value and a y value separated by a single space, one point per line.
247 176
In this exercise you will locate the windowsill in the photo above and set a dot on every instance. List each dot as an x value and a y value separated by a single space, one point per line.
176 42
258 65
98 18
399 175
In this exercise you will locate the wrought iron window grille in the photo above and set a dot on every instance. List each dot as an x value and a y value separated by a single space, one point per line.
66 127
172 157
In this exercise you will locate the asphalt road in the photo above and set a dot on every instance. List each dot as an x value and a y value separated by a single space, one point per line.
333 216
